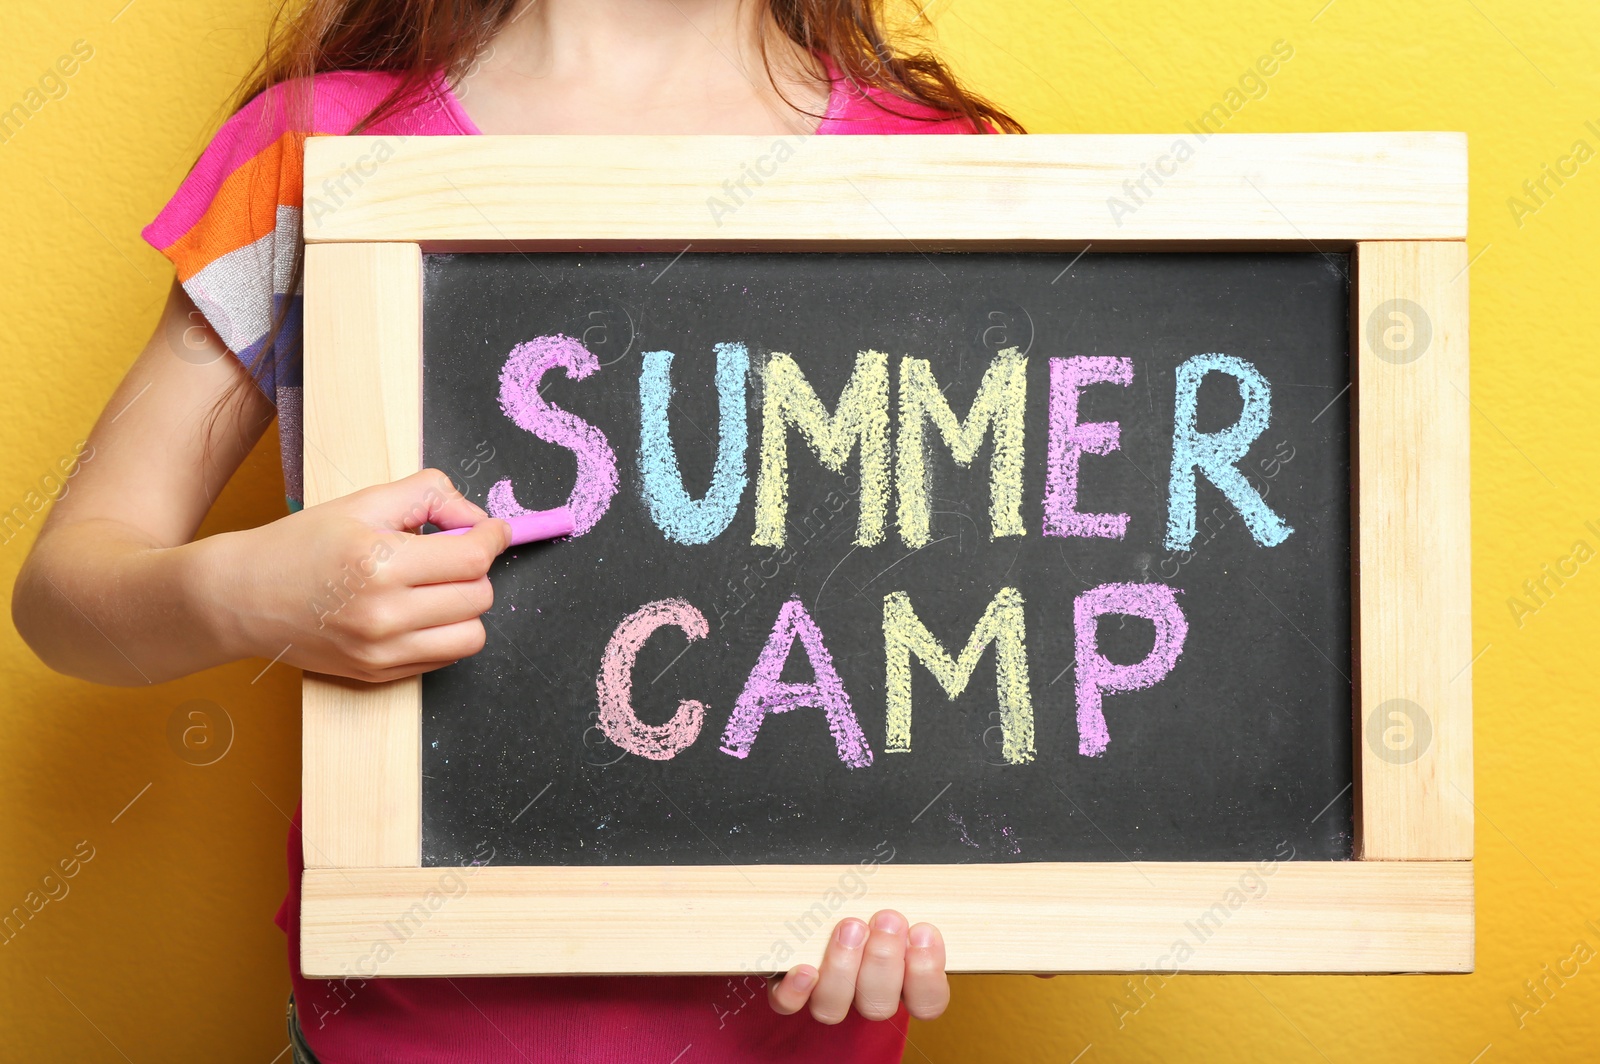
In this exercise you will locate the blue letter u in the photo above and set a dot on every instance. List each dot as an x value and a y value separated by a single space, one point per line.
681 518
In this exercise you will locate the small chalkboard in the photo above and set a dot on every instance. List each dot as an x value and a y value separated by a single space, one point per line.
1146 538
1066 552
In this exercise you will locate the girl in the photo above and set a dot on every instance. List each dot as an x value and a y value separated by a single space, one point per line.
124 594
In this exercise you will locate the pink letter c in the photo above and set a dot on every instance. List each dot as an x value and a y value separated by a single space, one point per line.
658 742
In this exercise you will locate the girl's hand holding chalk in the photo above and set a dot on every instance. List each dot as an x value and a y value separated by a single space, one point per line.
333 589
529 528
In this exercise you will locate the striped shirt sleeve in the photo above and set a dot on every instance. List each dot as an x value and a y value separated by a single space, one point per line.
232 231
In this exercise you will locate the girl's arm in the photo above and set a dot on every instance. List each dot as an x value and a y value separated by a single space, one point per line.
116 589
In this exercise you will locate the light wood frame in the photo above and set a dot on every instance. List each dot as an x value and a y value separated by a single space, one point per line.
1396 200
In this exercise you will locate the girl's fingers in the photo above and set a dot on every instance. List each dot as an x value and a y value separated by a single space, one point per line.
414 669
883 967
790 994
872 968
427 497
460 601
417 608
442 643
927 991
836 982
422 560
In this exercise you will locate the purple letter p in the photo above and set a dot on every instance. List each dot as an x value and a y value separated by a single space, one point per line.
1157 603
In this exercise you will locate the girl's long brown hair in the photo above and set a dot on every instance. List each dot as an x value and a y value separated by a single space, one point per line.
419 39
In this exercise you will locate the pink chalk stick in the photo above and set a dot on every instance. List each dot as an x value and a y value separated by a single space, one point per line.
530 527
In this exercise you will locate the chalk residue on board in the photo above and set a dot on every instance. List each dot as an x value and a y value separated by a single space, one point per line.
1009 834
765 693
862 415
1000 404
681 518
1070 439
1097 674
1214 453
961 826
520 400
1002 624
614 685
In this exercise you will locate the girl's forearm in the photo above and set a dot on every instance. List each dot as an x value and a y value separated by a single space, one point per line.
341 588
97 600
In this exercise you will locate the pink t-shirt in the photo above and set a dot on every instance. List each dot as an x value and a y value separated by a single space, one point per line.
233 231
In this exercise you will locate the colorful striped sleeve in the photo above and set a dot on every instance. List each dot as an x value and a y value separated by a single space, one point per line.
233 229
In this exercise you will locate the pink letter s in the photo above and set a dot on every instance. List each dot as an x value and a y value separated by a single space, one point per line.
520 399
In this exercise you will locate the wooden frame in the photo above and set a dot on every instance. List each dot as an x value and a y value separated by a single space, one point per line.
1398 200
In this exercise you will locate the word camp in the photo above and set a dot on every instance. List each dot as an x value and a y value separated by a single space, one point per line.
891 447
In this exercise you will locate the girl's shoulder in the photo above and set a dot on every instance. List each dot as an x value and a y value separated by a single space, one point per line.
250 173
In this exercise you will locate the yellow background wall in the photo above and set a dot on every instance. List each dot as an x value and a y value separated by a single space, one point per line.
164 949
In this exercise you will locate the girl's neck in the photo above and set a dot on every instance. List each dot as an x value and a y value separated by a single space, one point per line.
643 66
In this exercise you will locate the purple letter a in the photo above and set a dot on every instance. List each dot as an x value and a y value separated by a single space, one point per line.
764 693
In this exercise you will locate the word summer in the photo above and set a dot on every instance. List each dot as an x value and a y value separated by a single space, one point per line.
860 424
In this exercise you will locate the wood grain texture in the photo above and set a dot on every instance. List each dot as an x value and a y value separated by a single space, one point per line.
363 367
637 192
362 743
1414 552
1345 916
